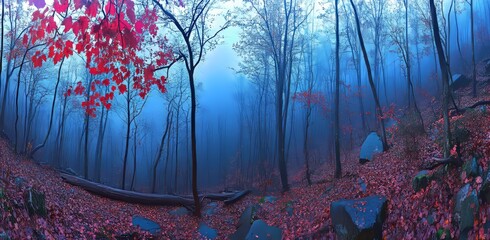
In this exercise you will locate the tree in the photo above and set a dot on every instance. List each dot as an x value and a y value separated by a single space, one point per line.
275 25
472 20
370 78
445 79
338 167
198 38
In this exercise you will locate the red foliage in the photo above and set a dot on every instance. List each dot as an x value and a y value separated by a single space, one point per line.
111 37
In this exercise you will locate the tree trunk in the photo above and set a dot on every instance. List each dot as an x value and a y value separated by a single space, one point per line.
370 77
473 48
445 79
160 151
338 167
128 133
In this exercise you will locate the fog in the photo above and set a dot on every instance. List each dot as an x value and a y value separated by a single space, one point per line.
236 116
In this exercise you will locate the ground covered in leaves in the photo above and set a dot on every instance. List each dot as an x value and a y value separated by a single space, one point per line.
303 212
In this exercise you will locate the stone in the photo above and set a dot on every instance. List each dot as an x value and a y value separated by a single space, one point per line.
269 199
207 232
211 209
260 230
466 210
360 218
35 202
362 184
459 81
19 181
181 211
471 168
244 223
421 180
371 145
146 224
485 188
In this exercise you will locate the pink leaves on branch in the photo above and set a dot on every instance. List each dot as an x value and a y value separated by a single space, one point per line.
310 99
112 38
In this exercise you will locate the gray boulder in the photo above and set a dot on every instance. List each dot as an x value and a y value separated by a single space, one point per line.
421 180
244 223
260 230
471 168
485 188
466 210
146 224
459 81
371 145
359 219
181 211
207 232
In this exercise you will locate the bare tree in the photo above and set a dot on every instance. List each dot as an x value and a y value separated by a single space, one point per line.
445 79
197 36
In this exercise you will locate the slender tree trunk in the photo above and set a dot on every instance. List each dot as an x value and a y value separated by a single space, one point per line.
160 151
195 194
17 100
135 155
53 104
128 133
338 167
445 79
370 78
473 48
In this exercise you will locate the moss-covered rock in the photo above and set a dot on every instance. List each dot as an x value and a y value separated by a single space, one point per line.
485 188
466 210
35 202
360 218
421 180
471 168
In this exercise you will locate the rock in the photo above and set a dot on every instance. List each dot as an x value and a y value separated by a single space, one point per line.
371 145
247 216
260 230
359 219
211 209
207 232
459 81
4 236
466 210
244 223
485 188
146 224
19 181
269 199
35 202
181 211
289 208
421 180
362 184
471 168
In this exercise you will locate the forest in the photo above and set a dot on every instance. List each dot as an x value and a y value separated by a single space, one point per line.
245 119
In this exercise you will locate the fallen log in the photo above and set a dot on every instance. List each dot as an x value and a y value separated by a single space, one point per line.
127 196
236 197
214 196
435 162
463 110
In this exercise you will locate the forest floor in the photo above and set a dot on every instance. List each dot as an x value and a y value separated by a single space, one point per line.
73 213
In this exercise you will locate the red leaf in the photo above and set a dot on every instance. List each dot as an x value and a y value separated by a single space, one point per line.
106 82
138 26
122 88
79 89
60 6
67 23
